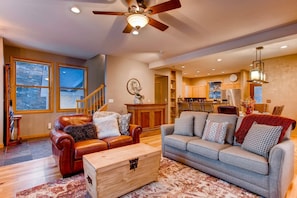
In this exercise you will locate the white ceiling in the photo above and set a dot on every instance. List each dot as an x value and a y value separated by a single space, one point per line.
199 32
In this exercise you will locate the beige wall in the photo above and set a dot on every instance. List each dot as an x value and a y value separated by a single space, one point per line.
35 125
282 87
118 71
281 73
96 72
1 92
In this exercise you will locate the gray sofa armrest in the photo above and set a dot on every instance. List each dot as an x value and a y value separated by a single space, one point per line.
281 168
166 129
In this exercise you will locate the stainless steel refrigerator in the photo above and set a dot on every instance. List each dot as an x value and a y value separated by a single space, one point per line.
233 96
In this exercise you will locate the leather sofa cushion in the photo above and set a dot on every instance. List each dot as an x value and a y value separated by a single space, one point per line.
88 146
206 148
114 142
75 119
236 156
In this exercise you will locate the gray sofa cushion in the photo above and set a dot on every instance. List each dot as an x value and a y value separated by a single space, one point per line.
231 119
199 120
236 156
205 148
184 126
261 138
178 141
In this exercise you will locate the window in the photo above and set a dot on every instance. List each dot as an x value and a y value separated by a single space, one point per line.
71 86
31 86
256 92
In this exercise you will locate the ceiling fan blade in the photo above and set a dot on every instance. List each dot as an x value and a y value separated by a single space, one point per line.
128 28
157 24
162 7
109 13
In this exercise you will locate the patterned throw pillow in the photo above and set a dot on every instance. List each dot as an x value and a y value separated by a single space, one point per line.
261 138
124 121
184 126
107 127
81 132
215 131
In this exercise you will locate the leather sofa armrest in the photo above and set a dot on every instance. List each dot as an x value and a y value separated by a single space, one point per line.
135 131
63 151
61 139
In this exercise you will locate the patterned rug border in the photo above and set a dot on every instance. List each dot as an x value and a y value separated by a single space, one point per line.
175 180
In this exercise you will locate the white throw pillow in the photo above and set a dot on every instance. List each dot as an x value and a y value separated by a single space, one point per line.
107 127
261 138
215 131
100 114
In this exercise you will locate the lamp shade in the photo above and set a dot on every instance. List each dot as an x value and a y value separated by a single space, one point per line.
137 20
255 74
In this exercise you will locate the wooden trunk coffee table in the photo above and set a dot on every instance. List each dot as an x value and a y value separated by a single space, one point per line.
115 172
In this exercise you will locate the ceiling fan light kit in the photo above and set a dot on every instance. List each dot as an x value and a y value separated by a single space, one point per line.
139 15
137 20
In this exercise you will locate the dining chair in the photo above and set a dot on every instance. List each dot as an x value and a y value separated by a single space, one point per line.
277 110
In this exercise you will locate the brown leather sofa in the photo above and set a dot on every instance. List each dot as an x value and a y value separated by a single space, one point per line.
68 153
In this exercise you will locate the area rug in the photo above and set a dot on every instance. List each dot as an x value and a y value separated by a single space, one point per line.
175 181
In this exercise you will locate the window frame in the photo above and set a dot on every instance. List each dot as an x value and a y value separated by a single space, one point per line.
85 85
14 86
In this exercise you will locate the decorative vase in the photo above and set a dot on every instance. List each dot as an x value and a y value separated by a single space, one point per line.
248 110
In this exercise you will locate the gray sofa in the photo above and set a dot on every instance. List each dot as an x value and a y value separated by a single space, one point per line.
269 174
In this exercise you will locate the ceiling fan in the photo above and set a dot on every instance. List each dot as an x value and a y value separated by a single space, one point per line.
138 14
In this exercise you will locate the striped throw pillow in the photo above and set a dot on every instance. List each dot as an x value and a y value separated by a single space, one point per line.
215 131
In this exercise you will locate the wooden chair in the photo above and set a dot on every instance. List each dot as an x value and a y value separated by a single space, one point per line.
260 107
277 110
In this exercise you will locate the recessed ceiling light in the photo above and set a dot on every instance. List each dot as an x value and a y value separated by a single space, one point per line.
219 59
284 47
213 69
183 66
75 9
223 72
198 71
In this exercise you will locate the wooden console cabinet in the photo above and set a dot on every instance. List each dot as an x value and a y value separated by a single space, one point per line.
149 116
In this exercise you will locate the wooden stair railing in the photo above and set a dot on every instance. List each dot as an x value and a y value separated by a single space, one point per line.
92 102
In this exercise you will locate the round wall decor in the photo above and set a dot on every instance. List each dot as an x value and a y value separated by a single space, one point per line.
233 78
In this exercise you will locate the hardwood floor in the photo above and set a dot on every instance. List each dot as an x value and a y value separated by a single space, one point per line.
21 176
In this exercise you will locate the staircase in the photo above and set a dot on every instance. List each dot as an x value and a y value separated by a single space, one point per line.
93 102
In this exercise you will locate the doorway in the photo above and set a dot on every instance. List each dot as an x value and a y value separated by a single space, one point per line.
161 92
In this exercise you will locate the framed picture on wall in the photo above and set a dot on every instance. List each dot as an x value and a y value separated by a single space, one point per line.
215 90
